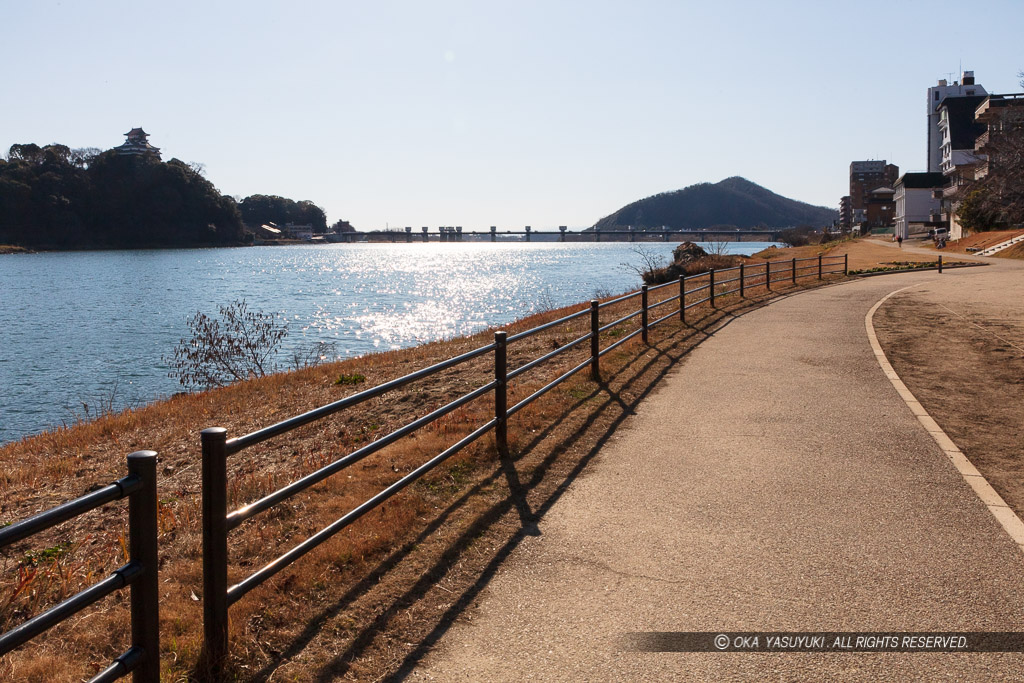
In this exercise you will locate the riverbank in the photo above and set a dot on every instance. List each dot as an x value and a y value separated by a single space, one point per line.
343 608
13 249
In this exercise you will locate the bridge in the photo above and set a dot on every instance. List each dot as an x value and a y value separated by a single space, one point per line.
563 234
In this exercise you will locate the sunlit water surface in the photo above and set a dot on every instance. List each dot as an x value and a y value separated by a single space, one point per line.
90 328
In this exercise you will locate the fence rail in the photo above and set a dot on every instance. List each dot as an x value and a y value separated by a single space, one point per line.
218 596
142 659
139 487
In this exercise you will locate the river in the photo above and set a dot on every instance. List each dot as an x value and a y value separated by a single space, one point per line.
82 331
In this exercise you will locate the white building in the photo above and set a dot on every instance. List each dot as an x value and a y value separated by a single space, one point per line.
917 202
299 232
965 87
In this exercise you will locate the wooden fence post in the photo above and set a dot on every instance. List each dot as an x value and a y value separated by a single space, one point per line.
215 549
643 314
501 391
145 591
682 298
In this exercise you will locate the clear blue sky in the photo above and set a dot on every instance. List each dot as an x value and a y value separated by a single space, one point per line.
479 113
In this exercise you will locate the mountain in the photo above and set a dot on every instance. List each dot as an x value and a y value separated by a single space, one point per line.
734 201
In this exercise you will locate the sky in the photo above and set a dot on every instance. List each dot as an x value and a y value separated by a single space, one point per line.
541 113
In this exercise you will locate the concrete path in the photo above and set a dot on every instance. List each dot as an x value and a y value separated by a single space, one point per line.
776 482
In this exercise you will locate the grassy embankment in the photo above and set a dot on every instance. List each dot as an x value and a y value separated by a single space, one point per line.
982 240
363 603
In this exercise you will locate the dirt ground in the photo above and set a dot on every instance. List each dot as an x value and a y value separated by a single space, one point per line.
865 254
963 357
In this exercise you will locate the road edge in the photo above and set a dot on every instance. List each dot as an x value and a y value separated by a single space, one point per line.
1003 513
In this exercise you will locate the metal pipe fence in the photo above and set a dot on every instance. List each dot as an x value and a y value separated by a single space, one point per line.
140 574
218 596
142 659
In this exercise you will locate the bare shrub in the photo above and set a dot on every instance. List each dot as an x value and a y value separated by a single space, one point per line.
238 345
650 262
313 354
717 247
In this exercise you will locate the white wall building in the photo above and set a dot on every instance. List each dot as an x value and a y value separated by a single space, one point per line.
917 206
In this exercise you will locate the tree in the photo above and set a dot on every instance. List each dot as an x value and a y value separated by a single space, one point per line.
83 156
258 209
650 262
799 236
238 345
57 197
997 199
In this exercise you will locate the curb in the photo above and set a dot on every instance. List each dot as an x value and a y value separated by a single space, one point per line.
1003 513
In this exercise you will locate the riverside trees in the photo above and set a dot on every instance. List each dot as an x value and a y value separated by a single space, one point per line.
258 209
997 199
57 197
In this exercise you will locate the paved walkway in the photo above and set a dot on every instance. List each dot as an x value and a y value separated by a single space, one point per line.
776 482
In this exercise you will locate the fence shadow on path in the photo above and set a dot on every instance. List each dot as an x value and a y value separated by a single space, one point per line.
665 352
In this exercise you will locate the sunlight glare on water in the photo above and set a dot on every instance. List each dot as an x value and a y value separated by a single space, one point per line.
94 327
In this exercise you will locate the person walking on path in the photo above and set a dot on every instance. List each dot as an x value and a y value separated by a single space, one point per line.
899 241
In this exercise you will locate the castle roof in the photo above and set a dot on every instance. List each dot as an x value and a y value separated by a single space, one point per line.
137 144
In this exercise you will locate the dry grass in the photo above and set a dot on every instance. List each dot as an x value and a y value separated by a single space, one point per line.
783 253
1016 251
978 240
373 591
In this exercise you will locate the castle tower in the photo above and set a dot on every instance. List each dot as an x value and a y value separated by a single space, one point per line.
138 144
